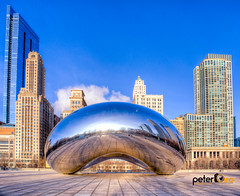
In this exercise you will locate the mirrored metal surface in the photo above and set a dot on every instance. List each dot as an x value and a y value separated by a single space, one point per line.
115 130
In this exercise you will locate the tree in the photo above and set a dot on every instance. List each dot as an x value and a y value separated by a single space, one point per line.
237 163
4 160
41 163
231 164
196 165
33 163
225 164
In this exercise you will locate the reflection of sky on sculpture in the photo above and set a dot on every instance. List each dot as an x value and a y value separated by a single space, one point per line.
108 116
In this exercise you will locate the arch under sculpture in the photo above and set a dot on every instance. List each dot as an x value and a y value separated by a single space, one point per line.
115 130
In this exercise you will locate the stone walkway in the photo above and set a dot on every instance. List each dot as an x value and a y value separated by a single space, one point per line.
51 183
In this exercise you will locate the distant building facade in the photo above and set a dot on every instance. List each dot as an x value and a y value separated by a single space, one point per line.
198 130
77 101
20 39
7 145
212 124
178 122
65 114
154 102
34 114
115 165
234 127
213 158
56 120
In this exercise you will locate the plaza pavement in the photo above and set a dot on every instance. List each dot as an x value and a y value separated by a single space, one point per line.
51 183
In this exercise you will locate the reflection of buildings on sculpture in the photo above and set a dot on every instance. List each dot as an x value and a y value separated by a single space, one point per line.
154 102
113 130
7 145
34 114
77 101
213 158
115 165
179 124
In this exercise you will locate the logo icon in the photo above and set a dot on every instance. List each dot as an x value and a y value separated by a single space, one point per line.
219 178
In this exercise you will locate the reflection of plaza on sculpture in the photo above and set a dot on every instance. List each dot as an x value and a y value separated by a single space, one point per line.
115 130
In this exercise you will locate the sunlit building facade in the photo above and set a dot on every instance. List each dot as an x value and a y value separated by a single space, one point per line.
34 114
154 102
179 124
115 165
213 158
7 145
198 130
77 101
213 96
20 39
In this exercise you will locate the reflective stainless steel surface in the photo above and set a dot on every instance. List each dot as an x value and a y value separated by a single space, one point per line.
115 130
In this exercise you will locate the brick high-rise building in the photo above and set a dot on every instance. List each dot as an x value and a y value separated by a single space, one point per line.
34 114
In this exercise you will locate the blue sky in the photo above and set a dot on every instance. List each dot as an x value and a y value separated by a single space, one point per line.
110 43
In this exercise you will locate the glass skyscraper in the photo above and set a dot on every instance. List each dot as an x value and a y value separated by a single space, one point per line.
213 96
19 41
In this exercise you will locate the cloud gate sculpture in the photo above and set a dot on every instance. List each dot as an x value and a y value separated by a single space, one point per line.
115 130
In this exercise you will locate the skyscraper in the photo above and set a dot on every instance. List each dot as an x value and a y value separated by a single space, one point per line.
20 39
213 95
154 102
34 114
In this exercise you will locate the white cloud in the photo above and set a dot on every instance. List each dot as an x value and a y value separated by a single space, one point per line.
117 96
93 94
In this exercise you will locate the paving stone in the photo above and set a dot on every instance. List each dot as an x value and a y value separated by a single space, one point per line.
51 183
